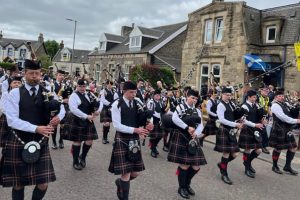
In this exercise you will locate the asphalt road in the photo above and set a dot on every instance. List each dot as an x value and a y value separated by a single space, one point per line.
159 181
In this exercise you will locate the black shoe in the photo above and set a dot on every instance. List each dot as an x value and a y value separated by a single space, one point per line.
290 170
77 166
250 168
54 146
82 162
276 170
190 191
265 150
155 151
183 193
61 145
249 173
166 149
104 141
226 179
153 154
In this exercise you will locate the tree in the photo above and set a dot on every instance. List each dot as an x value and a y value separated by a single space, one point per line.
152 74
52 47
46 62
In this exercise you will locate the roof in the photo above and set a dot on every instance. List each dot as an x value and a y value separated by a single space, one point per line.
115 38
16 43
174 63
80 56
164 31
289 14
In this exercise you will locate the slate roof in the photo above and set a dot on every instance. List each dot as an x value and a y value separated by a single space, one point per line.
290 14
169 61
151 31
164 31
80 56
16 43
112 37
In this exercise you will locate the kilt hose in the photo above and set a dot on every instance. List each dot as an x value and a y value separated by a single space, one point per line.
119 164
15 172
178 152
247 139
223 143
279 138
105 115
77 130
3 130
210 127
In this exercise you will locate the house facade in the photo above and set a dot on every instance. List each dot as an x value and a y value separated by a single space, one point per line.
160 46
19 50
77 66
220 34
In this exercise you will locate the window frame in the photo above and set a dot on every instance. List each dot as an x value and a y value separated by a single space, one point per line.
218 77
268 34
103 46
8 52
204 75
219 28
22 53
206 31
135 41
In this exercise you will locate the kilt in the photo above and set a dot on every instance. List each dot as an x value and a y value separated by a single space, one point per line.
119 164
105 115
247 139
3 130
210 127
223 144
74 131
157 132
279 138
15 172
178 152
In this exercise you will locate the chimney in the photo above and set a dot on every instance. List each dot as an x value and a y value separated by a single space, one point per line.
126 30
61 45
41 38
217 1
1 35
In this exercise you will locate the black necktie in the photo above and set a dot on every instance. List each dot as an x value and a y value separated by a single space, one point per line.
130 104
33 89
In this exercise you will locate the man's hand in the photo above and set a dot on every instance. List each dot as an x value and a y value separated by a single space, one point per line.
44 130
96 113
90 118
141 131
54 121
191 130
65 100
239 125
149 127
260 126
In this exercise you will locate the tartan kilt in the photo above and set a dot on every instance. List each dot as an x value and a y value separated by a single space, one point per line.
105 115
157 132
15 172
279 138
119 164
247 139
73 131
3 130
223 144
210 127
178 152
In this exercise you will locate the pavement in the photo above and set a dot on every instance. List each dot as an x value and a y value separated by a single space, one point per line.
159 182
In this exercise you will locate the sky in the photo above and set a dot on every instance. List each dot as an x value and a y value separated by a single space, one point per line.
25 19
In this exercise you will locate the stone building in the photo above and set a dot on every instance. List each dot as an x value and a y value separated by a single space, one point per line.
221 33
18 49
77 66
161 46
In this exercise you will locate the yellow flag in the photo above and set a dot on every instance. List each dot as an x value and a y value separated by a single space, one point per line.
297 52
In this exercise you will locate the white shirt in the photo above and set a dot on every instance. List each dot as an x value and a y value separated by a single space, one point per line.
12 111
277 110
151 106
4 86
208 107
220 113
247 122
176 119
116 117
104 101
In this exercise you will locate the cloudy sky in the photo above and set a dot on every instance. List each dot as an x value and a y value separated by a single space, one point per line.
25 19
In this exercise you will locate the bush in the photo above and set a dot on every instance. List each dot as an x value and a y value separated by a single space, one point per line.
6 65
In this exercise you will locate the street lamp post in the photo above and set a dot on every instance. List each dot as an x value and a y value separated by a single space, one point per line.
72 57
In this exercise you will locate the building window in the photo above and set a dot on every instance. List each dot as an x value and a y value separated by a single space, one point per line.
22 53
208 31
97 72
271 34
219 29
127 71
135 41
65 57
216 71
204 74
102 46
77 72
10 52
